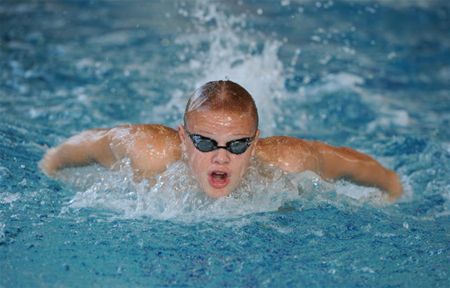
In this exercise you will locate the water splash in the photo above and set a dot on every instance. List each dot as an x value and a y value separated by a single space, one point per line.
176 195
219 48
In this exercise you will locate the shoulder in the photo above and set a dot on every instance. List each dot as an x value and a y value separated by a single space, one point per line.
140 134
280 141
143 131
149 146
288 153
281 145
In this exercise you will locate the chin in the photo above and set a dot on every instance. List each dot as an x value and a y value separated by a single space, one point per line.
215 193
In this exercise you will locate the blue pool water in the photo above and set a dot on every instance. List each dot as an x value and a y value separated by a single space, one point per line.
373 75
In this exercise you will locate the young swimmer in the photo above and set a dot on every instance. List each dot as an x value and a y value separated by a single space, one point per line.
219 136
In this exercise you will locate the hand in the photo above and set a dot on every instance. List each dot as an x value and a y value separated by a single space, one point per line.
395 189
48 163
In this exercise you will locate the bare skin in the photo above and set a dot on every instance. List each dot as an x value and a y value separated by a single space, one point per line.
152 148
331 163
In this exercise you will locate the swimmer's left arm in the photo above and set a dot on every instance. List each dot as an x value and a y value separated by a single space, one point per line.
331 163
345 163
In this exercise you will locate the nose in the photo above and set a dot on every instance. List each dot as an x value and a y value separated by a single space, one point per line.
221 156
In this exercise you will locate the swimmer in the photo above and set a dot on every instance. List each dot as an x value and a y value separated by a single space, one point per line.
217 140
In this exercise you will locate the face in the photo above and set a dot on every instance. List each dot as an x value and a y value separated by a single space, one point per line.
218 172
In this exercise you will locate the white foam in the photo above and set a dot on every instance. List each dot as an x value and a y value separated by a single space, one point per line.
8 198
370 195
231 53
361 194
176 195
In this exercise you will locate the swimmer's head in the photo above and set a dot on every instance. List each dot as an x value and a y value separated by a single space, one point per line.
219 114
223 96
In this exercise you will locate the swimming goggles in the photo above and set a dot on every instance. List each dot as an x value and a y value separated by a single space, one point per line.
205 144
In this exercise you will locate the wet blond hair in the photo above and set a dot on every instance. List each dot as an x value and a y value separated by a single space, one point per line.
222 95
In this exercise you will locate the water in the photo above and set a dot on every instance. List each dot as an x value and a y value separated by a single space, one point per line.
371 75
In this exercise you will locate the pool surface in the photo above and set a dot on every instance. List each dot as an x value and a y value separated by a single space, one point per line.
372 75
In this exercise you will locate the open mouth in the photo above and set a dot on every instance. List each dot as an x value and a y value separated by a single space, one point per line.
218 179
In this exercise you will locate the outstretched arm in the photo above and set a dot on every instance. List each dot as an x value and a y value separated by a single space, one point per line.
346 163
331 163
91 146
150 149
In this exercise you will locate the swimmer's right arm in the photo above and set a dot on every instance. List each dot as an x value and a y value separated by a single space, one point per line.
91 146
150 149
